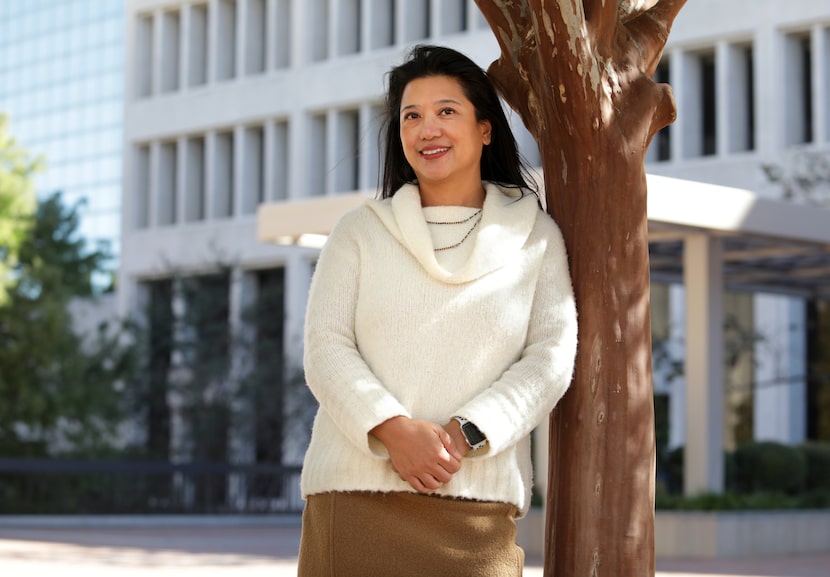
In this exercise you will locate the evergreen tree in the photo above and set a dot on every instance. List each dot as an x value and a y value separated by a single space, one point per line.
58 389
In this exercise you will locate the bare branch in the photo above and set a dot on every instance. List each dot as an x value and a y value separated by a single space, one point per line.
512 25
510 22
650 30
666 111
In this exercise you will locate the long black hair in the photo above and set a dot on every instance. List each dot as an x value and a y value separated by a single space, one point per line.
500 160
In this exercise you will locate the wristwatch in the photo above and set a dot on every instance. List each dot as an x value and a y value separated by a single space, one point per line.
475 438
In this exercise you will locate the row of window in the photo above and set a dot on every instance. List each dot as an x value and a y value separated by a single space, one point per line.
203 43
95 35
95 90
188 323
227 173
19 20
195 178
717 97
73 122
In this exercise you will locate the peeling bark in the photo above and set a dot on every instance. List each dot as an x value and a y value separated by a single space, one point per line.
579 72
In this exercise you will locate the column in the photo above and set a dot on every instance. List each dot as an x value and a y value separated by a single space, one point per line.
703 277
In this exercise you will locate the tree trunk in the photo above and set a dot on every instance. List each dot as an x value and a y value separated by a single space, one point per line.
580 75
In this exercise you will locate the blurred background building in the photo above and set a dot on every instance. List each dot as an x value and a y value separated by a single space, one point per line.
62 85
215 108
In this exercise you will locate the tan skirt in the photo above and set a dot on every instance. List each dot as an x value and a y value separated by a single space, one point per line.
407 534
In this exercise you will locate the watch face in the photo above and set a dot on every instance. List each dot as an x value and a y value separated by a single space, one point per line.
472 434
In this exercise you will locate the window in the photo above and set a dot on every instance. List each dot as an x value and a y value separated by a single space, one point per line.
453 16
741 99
144 56
166 196
254 172
382 23
318 164
346 151
318 29
226 56
708 104
349 29
699 105
282 34
416 23
268 317
194 201
660 148
223 175
373 152
159 317
255 34
280 185
197 55
170 52
141 186
799 89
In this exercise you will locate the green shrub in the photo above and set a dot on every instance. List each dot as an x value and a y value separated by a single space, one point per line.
767 466
817 462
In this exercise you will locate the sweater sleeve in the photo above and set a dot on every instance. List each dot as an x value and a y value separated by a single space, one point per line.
528 390
338 376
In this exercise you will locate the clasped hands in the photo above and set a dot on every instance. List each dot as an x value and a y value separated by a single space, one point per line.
424 454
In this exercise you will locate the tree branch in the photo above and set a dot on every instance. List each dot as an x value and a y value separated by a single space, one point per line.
650 30
513 28
602 21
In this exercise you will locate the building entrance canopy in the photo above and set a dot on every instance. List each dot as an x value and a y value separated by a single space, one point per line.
767 245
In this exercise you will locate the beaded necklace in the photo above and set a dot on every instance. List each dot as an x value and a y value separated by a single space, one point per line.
466 236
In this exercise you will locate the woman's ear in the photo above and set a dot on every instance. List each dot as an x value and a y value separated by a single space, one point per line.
486 132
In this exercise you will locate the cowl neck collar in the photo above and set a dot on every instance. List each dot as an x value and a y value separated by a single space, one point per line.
507 219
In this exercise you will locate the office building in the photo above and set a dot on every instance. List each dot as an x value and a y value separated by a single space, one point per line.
233 104
61 83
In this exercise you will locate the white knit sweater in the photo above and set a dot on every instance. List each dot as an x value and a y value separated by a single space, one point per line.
390 332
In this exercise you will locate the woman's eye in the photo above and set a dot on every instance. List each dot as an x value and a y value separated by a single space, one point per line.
447 111
410 115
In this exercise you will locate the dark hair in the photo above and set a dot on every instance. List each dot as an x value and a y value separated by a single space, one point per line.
500 160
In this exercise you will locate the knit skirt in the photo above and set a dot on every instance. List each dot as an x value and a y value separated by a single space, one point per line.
407 535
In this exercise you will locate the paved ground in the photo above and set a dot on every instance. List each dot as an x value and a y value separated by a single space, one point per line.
228 549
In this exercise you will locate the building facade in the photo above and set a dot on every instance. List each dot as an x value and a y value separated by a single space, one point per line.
62 85
752 85
232 104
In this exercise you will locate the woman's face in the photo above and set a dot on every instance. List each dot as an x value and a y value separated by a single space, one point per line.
440 135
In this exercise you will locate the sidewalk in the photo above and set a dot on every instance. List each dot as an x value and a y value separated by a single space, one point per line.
225 550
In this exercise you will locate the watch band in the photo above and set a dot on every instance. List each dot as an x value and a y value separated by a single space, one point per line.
474 437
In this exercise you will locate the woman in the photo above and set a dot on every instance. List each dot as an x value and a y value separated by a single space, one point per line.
440 330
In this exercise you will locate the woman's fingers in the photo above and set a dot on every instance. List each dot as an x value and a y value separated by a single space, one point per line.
421 453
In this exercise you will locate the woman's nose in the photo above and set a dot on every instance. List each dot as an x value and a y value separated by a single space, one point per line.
430 128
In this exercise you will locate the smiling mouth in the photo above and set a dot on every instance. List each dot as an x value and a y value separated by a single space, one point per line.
434 151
